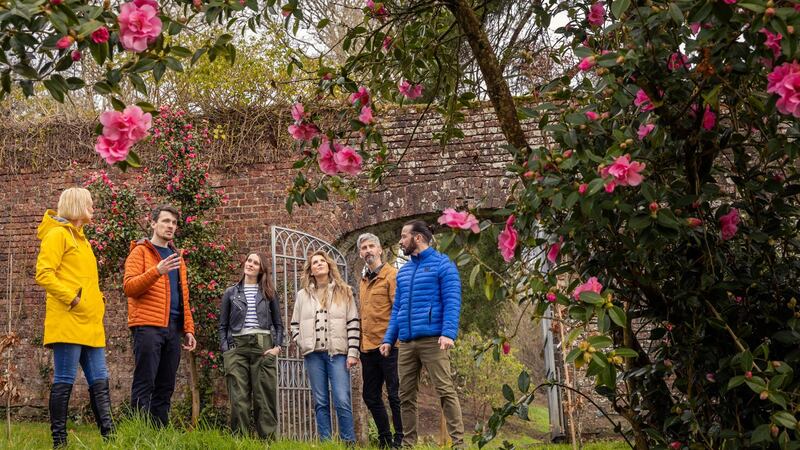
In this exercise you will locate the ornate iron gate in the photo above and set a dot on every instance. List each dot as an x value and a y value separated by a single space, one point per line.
290 249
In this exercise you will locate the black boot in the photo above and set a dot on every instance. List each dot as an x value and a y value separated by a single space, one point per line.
101 407
59 404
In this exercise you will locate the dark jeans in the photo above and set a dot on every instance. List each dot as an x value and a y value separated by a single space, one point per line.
377 370
156 353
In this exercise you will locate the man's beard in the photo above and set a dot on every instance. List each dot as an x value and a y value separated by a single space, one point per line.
410 248
369 259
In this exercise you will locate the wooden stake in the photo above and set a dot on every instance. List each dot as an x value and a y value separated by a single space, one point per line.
193 377
567 379
11 349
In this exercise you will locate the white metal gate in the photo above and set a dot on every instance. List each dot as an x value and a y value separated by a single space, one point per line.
290 249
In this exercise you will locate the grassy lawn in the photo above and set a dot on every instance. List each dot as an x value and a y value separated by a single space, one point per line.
136 435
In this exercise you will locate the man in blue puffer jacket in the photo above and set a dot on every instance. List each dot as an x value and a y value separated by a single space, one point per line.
425 316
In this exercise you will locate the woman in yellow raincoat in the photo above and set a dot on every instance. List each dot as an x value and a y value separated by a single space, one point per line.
73 326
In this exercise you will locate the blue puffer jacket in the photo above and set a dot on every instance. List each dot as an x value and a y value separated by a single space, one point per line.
427 301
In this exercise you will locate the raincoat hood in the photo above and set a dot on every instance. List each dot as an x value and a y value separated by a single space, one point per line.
51 220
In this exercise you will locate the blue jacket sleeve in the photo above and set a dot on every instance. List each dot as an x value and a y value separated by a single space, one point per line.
450 283
390 337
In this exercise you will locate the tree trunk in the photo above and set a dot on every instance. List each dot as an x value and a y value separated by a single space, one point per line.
496 85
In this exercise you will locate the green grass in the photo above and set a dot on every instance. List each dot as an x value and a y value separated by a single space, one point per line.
136 435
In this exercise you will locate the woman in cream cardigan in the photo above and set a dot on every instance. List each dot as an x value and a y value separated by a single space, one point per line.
325 326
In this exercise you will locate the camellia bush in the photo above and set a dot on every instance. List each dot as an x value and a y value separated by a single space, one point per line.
180 178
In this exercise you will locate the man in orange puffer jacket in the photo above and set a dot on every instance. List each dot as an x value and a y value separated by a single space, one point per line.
159 314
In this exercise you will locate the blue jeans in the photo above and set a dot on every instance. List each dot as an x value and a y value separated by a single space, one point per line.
323 368
67 356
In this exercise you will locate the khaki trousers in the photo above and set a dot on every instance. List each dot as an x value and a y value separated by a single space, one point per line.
413 356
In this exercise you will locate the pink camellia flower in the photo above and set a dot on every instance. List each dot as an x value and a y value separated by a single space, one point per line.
643 101
100 35
377 9
784 81
773 41
361 96
709 119
409 91
366 115
132 124
644 130
507 240
303 131
325 159
677 61
463 220
65 42
387 42
139 24
695 27
592 285
591 115
582 188
298 112
555 249
729 224
624 172
347 160
587 63
75 55
551 297
597 14
111 150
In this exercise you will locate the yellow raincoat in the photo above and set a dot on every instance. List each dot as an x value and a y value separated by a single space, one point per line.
66 268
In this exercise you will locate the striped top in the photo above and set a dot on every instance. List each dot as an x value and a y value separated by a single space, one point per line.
251 319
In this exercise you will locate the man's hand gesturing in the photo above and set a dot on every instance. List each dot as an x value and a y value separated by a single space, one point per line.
168 264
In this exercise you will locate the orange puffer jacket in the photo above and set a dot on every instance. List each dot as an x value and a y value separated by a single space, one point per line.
148 291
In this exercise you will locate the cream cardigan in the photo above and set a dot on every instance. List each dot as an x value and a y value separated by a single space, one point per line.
344 333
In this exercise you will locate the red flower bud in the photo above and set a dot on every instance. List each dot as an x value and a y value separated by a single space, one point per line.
75 55
506 347
675 445
65 42
694 222
748 375
653 207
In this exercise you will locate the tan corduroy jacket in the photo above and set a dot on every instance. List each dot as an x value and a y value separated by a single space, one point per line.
376 297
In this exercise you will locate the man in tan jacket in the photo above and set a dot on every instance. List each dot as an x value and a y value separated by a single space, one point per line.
376 293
